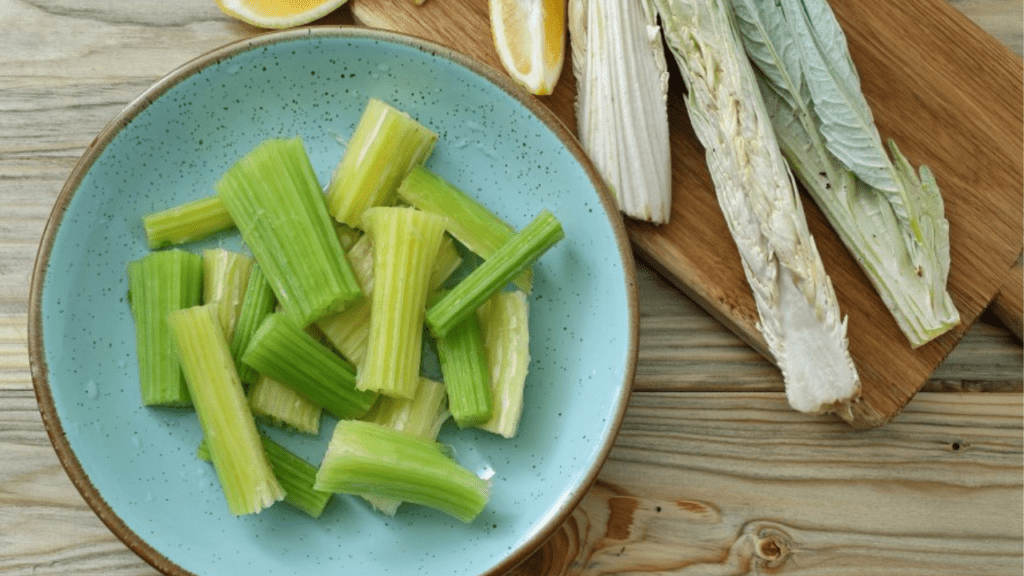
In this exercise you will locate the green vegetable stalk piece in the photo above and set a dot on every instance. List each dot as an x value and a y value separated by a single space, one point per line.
405 244
466 375
798 314
522 250
248 483
367 458
186 223
158 283
385 145
422 416
282 406
349 330
257 303
469 221
295 475
281 350
225 280
504 319
275 200
889 218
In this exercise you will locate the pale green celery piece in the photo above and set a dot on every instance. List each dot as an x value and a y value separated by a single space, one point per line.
421 416
282 406
896 229
159 283
405 244
245 475
385 145
274 198
799 316
466 375
257 303
349 330
283 351
469 221
504 320
521 251
367 458
225 281
295 475
187 222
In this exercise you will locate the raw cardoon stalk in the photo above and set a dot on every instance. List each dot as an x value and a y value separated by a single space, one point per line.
621 107
799 315
890 218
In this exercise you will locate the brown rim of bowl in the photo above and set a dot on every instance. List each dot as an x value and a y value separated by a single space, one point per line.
44 397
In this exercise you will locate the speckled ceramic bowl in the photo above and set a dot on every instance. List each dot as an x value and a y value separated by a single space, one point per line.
137 467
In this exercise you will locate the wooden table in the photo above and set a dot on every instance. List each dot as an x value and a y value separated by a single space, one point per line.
712 473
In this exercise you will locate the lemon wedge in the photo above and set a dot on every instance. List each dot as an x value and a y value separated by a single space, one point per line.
529 36
278 13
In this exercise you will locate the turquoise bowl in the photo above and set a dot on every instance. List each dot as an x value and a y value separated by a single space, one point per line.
136 466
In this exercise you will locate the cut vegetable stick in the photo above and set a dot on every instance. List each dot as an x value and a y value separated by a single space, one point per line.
522 250
281 350
349 330
186 223
466 375
225 281
367 458
282 406
385 145
245 475
405 243
257 303
504 320
295 475
274 198
469 221
422 416
159 283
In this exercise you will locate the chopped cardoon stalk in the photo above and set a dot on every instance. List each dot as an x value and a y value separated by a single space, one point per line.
282 406
405 244
245 474
257 303
159 283
466 375
276 202
281 350
186 223
469 221
504 320
522 250
421 416
295 475
347 235
225 281
349 330
385 145
367 458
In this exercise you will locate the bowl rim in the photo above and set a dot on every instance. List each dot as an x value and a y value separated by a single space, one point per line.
37 358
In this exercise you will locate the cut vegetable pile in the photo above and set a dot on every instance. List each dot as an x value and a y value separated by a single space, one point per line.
329 314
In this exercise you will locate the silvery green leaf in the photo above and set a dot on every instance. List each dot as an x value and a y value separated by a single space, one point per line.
846 119
770 45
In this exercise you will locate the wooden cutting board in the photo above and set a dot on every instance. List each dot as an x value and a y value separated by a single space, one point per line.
949 94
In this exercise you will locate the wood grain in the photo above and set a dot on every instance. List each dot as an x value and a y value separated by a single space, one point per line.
712 473
939 86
